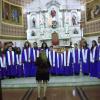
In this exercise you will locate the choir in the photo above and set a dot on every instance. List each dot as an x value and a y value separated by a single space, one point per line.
16 62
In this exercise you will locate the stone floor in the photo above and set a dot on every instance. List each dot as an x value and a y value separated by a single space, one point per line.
54 81
54 93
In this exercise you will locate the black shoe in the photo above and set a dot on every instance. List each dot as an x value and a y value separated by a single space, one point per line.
38 98
45 98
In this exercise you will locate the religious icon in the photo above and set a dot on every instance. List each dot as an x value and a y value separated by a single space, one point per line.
74 18
34 23
75 31
33 33
93 10
53 13
97 10
15 15
54 24
11 14
5 11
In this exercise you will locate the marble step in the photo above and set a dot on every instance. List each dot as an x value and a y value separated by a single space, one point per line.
54 81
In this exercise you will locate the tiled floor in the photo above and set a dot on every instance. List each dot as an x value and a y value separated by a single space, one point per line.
54 93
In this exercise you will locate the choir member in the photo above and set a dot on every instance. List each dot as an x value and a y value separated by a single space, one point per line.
19 64
68 69
0 71
11 62
93 59
59 63
42 74
27 59
85 58
44 46
35 54
0 46
3 64
52 60
0 62
98 64
76 59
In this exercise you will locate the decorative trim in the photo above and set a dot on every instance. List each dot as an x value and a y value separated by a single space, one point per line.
53 2
13 5
10 37
91 21
92 34
89 1
12 24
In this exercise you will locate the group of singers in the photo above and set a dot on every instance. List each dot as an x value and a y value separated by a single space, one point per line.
15 62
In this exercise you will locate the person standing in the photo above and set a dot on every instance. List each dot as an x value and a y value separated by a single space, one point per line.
53 61
59 63
35 54
93 59
76 59
0 62
3 64
98 63
11 62
85 58
19 64
68 69
42 73
27 59
44 46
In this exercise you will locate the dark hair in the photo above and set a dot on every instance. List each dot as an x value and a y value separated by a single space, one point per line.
25 44
99 37
35 42
51 46
75 44
86 45
92 44
10 42
43 44
18 50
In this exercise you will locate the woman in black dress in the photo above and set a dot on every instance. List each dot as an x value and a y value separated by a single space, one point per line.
42 74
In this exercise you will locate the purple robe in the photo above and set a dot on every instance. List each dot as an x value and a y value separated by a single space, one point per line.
27 61
52 60
3 69
93 65
76 63
11 67
35 54
85 65
0 73
68 69
98 61
19 66
60 68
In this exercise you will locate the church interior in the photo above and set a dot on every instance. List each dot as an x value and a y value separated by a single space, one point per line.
64 35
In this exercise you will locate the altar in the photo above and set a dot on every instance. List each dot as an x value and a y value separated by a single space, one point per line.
53 16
